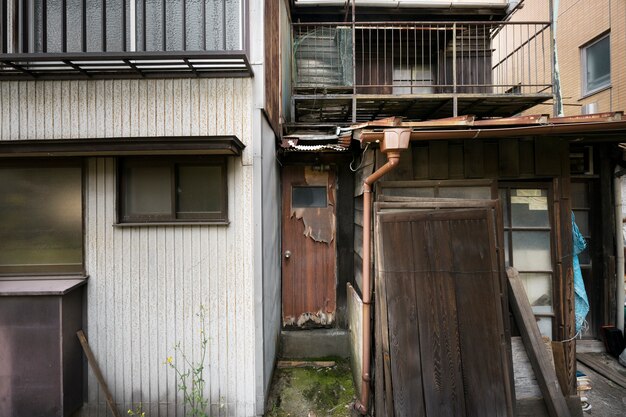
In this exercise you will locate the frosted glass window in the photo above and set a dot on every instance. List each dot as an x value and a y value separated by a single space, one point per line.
531 251
596 65
579 195
538 288
529 208
41 219
306 197
545 326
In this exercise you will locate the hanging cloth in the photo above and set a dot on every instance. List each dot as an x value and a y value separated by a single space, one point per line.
581 302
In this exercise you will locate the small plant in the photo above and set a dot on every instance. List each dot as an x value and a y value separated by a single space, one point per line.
190 375
138 411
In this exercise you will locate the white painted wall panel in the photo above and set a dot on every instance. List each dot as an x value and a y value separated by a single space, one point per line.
146 285
126 108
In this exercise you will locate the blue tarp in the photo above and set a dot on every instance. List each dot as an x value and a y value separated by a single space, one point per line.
581 302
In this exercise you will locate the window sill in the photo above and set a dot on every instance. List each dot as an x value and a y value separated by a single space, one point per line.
152 224
594 92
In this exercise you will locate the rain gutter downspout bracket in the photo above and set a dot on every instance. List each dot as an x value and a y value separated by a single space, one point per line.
394 141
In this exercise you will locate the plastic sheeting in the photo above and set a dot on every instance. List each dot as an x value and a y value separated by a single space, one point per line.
581 302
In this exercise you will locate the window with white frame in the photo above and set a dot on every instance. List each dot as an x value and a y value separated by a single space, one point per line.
596 65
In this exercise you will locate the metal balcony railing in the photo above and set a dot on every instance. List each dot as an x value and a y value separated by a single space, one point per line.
123 38
422 58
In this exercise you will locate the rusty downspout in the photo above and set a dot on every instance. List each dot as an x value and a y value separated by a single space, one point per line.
393 141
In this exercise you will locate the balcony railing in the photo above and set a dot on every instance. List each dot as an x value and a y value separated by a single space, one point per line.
122 38
423 58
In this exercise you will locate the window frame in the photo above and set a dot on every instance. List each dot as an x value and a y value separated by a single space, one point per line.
506 187
219 217
583 67
58 271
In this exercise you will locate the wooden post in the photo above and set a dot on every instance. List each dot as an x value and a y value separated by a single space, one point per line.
96 370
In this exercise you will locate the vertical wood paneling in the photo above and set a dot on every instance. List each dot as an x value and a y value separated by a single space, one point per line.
146 285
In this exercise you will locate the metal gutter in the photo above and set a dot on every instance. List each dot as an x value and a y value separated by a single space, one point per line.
404 4
594 128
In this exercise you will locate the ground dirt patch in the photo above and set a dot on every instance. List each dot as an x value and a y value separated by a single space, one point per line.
312 392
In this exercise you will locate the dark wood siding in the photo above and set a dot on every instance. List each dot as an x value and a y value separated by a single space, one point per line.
440 314
272 62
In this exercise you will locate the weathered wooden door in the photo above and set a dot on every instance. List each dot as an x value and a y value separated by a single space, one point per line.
441 340
308 240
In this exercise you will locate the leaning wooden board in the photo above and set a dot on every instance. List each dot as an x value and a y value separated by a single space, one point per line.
439 280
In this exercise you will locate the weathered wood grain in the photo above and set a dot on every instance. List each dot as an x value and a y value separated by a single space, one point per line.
538 355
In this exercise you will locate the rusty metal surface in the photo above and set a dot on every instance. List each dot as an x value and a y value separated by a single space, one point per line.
41 372
309 257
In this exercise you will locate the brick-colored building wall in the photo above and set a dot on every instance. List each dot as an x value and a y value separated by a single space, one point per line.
579 23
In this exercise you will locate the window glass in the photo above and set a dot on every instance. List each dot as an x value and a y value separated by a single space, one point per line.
198 190
597 64
41 219
148 191
529 208
308 197
531 251
169 190
538 288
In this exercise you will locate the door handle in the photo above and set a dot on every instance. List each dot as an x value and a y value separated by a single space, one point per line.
287 254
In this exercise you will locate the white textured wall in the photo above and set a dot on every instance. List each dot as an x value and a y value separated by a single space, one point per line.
125 108
145 286
146 283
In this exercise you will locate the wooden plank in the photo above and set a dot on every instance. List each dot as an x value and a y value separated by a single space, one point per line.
595 362
438 160
420 162
508 158
491 159
526 158
537 353
96 370
474 158
456 159
547 156
396 272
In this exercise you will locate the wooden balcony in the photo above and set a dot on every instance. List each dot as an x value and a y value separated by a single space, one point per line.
420 70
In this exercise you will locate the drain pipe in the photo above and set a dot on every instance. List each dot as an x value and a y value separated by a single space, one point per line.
619 243
394 140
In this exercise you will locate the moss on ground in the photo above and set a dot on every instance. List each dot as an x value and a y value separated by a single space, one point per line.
310 391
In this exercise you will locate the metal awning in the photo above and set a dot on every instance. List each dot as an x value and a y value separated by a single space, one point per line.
109 65
162 145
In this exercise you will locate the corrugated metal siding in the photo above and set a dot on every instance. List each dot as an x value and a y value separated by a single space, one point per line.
146 283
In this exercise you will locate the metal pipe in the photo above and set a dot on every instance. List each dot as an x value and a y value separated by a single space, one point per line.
393 158
389 4
619 240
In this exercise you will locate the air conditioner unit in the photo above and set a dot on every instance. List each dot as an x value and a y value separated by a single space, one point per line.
590 108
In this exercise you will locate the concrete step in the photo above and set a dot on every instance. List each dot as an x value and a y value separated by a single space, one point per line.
315 343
